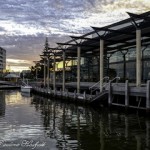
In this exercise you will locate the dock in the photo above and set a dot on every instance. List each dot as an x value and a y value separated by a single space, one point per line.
126 94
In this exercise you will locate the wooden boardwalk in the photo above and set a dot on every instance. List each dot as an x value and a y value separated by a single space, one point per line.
71 95
128 91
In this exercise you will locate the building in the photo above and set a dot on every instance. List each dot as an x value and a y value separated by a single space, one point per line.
120 49
2 59
117 52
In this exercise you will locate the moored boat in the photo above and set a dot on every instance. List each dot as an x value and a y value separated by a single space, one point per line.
25 87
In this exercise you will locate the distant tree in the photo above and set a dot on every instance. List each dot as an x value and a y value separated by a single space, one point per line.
46 45
39 66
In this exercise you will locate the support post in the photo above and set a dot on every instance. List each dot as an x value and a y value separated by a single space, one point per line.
148 96
138 57
71 70
126 127
124 67
78 68
54 75
84 95
147 134
63 71
102 142
139 144
75 94
101 63
108 58
127 93
48 73
109 93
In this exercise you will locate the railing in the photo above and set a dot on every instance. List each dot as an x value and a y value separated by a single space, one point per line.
98 83
25 83
106 84
116 78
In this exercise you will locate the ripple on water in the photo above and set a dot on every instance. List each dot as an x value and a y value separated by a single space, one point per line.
67 126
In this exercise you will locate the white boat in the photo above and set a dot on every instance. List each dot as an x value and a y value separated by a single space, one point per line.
25 87
26 94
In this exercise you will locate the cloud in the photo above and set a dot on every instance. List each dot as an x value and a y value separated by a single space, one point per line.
17 64
17 68
136 6
24 24
18 61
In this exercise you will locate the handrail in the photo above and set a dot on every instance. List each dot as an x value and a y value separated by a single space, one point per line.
115 79
111 81
106 84
25 82
98 82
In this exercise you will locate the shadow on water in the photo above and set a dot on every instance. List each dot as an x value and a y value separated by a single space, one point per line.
77 127
2 104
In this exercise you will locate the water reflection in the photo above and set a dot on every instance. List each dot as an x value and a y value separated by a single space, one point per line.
2 103
67 126
75 127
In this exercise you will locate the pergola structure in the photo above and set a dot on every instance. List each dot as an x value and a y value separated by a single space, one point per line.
133 32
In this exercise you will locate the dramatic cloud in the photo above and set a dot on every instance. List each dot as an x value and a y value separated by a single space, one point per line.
24 24
136 6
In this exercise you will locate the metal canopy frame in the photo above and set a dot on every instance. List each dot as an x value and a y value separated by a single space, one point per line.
117 36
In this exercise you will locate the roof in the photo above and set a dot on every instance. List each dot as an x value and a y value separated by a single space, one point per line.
118 37
12 76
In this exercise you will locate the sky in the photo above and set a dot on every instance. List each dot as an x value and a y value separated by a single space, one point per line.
25 24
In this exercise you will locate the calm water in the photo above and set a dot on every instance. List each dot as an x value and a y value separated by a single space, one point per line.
39 123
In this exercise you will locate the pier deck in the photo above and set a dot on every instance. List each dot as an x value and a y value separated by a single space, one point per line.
128 91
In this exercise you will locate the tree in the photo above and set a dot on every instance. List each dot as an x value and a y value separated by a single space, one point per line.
46 45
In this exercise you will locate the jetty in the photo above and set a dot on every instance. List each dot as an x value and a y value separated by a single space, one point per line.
119 94
119 51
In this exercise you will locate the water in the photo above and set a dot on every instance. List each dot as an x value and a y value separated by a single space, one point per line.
43 124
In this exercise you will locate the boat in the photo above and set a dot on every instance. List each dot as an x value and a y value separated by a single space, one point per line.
26 94
25 87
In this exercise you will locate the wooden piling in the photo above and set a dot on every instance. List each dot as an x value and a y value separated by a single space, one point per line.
67 93
127 93
147 133
148 96
84 95
61 92
109 93
75 94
